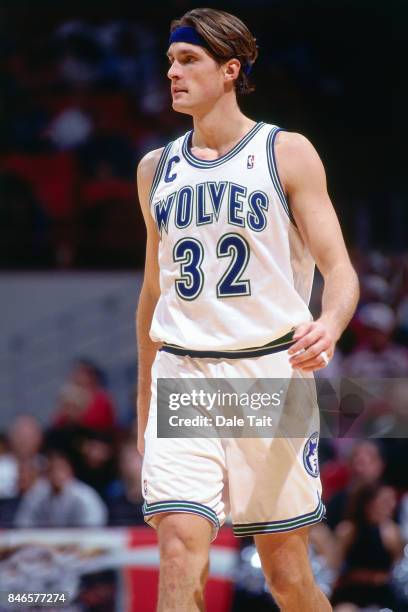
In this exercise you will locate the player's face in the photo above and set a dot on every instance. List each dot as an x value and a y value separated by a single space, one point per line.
197 81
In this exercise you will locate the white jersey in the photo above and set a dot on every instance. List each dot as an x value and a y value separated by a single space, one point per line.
234 270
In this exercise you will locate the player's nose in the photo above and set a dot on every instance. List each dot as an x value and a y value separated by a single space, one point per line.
174 70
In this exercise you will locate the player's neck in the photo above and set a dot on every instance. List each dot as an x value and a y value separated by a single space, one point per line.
221 128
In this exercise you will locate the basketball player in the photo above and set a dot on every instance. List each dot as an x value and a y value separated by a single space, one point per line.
237 215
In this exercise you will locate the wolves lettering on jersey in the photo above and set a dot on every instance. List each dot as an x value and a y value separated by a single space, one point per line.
203 204
234 270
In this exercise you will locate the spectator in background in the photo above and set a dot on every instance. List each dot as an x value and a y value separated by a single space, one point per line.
369 545
25 437
18 451
97 460
377 356
91 405
71 128
72 403
29 472
125 504
8 470
60 500
374 288
366 468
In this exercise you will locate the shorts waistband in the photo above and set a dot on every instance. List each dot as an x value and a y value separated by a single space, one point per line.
276 346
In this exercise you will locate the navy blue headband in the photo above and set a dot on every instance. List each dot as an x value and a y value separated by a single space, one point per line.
190 35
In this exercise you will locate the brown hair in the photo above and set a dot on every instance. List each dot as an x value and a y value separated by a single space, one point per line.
227 37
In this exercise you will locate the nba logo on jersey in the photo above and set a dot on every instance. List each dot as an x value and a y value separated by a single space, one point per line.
310 456
250 161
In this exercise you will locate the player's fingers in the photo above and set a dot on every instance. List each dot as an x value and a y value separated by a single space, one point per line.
315 363
312 368
311 354
302 329
305 343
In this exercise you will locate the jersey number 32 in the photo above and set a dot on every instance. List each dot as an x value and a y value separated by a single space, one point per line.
189 252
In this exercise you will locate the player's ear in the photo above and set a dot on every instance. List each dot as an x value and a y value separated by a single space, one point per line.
231 70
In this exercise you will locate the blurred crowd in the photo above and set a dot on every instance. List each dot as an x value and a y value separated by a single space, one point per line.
375 344
81 104
81 470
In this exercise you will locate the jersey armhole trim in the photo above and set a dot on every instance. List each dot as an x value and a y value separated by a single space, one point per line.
159 171
273 171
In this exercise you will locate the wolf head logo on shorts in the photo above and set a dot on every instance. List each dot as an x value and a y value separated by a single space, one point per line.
310 456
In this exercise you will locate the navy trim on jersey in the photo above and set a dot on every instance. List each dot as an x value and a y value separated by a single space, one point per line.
273 170
212 163
159 171
280 344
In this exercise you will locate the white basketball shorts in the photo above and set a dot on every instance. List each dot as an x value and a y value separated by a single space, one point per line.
268 485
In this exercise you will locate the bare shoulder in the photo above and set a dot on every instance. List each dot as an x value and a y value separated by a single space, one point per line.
292 140
145 174
295 147
298 161
147 166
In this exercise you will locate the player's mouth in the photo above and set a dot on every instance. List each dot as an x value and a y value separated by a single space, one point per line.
177 90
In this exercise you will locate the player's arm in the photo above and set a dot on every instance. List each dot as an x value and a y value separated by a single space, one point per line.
304 180
149 296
